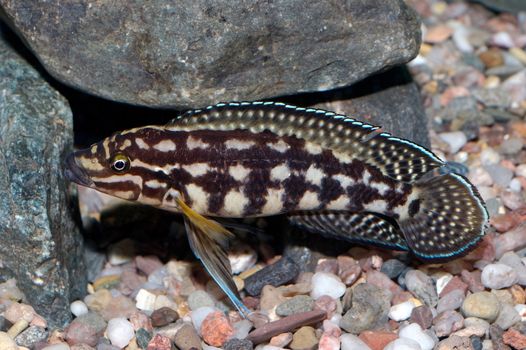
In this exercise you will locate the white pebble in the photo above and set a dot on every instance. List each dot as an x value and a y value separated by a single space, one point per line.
352 342
414 332
59 346
442 281
520 170
402 311
199 315
7 343
498 276
489 156
78 308
163 301
403 344
324 283
521 309
145 300
268 347
241 329
461 40
455 140
503 39
120 331
515 185
242 258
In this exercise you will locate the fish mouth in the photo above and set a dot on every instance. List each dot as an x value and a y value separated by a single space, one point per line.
75 173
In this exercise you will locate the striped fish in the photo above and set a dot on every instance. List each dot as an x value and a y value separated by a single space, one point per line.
328 173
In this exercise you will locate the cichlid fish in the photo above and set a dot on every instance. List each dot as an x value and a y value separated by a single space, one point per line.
327 172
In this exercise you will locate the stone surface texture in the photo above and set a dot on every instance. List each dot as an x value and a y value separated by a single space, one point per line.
194 53
40 245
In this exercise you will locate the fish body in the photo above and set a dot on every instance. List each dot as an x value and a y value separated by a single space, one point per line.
329 173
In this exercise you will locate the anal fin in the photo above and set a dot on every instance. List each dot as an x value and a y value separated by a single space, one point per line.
365 228
208 240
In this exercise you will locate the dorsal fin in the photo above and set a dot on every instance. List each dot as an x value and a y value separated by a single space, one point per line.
399 159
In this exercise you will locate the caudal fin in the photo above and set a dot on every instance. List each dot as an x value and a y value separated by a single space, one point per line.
445 218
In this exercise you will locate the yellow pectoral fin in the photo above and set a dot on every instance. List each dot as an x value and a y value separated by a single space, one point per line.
208 240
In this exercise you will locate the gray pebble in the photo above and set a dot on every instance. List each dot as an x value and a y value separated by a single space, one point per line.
393 268
514 261
31 336
277 274
511 146
476 342
500 175
447 323
297 304
370 306
186 338
198 299
422 286
451 301
238 344
508 316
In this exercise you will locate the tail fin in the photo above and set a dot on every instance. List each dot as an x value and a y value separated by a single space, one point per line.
445 219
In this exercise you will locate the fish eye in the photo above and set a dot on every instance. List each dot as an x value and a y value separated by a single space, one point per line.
120 163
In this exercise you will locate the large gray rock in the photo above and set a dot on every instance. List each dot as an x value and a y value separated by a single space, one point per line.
195 52
40 245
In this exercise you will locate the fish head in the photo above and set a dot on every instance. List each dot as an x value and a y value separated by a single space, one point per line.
124 166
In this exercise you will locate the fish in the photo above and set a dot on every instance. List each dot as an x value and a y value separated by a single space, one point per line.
326 172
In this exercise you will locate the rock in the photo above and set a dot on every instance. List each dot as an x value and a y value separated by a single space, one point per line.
390 99
324 283
447 322
500 175
85 329
281 340
393 268
242 328
508 316
148 264
163 316
422 315
512 260
514 338
145 300
187 338
78 308
238 344
454 283
498 276
142 337
215 53
451 301
159 342
402 311
330 338
492 58
36 221
352 342
6 342
216 329
381 280
120 332
483 305
198 299
18 311
403 344
496 333
474 326
140 320
200 314
455 140
120 306
414 332
455 342
511 240
297 304
304 339
422 286
370 306
64 346
31 336
377 340
438 34
281 272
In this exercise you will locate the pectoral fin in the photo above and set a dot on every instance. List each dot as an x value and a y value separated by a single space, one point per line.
208 240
